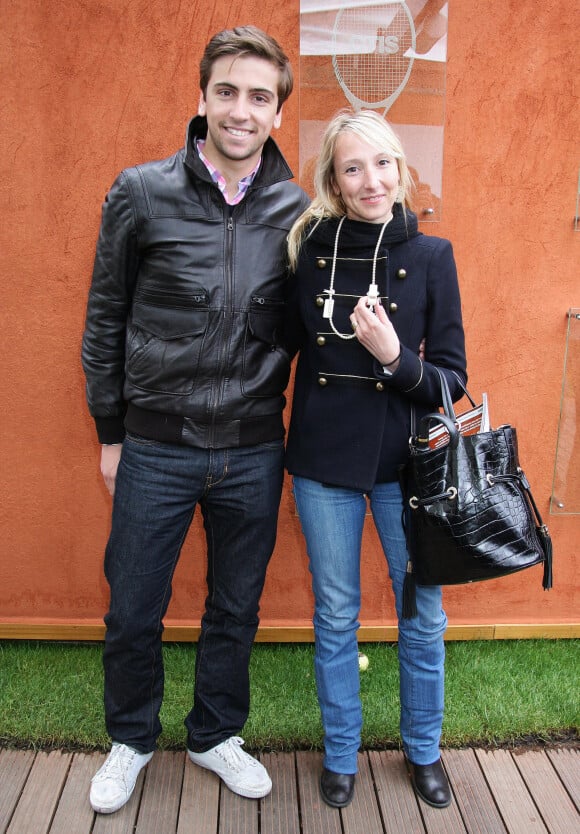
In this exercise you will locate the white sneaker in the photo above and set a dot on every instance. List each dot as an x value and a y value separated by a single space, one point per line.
242 773
113 784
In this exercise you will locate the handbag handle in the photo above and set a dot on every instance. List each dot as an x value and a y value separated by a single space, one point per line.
464 389
436 417
448 418
446 395
448 409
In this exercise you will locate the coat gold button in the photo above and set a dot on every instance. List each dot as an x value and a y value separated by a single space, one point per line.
393 307
320 263
319 301
322 380
401 273
320 341
379 386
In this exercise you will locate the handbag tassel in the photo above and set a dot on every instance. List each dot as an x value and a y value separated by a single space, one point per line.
542 531
409 595
546 543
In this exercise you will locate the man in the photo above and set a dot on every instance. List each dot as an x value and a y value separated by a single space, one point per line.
185 381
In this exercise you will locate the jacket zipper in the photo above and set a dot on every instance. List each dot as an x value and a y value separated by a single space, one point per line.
225 342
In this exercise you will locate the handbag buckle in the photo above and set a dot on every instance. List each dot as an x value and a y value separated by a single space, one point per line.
450 494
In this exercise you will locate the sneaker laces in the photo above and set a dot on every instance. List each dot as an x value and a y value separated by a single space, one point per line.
232 754
118 763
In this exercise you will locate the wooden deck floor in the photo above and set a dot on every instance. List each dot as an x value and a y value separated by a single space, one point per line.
522 791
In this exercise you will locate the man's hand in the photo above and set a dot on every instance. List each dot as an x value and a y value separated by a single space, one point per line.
110 457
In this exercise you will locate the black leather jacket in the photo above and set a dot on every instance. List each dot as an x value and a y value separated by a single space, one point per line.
184 318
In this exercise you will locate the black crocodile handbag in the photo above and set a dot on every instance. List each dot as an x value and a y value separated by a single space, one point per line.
469 513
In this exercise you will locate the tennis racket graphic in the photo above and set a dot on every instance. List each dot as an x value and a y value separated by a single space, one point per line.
370 46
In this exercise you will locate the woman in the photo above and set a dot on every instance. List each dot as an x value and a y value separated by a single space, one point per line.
367 289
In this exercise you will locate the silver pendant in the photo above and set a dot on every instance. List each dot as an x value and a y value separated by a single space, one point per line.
328 308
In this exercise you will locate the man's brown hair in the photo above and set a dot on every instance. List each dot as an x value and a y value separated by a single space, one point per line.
243 41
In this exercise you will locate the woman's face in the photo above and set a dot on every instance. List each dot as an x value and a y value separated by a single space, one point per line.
367 180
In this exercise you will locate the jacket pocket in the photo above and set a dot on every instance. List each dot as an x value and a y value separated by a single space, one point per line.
266 364
165 340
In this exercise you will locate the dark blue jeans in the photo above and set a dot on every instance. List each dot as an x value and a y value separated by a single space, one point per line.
158 487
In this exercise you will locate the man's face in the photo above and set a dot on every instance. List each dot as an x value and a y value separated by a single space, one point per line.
240 107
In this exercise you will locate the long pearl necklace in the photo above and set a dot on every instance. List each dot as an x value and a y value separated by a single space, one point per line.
373 290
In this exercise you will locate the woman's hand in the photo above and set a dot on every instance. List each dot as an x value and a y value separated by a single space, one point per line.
376 333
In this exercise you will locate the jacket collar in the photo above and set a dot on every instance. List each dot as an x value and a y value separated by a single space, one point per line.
357 235
273 169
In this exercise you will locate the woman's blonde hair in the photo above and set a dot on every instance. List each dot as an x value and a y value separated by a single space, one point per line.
371 128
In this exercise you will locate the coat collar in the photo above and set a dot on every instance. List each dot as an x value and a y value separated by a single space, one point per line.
357 235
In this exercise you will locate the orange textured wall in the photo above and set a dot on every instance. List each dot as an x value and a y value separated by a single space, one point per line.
91 86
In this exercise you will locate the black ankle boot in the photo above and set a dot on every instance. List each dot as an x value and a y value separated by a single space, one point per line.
337 789
430 783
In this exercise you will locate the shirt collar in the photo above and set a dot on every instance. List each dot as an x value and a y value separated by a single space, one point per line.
219 179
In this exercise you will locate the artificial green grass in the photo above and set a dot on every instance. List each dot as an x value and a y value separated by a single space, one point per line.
497 692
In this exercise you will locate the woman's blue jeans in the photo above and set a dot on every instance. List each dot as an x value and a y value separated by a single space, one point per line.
332 521
157 489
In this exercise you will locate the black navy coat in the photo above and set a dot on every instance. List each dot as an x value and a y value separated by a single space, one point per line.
350 422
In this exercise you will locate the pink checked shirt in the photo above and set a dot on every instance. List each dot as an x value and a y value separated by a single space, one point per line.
219 180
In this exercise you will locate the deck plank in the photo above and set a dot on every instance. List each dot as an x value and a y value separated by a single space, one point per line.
363 812
199 807
523 791
74 812
162 794
515 804
41 793
15 766
567 763
472 794
237 814
279 810
317 817
399 808
552 800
